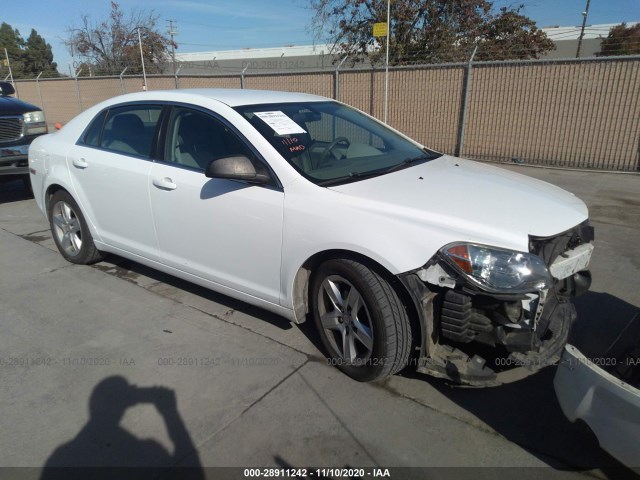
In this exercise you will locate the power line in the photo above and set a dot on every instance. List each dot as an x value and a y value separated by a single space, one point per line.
234 27
226 27
235 47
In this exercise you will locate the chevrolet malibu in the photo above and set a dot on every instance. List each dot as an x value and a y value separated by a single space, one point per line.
304 206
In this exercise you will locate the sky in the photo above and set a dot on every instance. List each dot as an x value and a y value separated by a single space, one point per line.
222 25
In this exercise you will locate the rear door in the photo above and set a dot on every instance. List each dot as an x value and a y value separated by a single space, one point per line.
110 169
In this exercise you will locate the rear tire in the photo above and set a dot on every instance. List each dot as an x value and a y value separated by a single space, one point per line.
70 230
362 323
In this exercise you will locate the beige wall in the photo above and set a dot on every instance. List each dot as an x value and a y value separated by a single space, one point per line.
573 114
576 114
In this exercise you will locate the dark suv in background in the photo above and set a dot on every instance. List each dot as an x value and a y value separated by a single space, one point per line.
20 123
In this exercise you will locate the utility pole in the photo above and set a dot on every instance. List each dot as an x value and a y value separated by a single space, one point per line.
386 64
584 24
171 31
144 72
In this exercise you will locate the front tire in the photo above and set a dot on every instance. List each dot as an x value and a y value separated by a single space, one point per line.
70 230
362 323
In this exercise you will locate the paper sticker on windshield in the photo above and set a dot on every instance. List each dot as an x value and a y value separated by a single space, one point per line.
280 123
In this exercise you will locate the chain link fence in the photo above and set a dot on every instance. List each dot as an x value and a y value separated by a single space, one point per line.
580 113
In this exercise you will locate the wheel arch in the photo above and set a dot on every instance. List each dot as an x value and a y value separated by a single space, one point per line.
51 190
56 187
304 273
71 232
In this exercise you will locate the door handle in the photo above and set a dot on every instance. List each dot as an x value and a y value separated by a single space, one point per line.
79 163
164 183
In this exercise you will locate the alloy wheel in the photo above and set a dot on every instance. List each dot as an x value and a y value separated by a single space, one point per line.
345 319
67 228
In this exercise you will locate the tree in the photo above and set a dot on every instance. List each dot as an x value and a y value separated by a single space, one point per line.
511 35
112 44
622 40
11 40
38 56
28 58
428 31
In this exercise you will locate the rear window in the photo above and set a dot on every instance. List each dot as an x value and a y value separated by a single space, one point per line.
131 129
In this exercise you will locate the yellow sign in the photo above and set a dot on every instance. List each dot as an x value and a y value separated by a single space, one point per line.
380 29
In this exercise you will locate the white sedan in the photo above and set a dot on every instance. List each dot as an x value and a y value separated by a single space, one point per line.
310 208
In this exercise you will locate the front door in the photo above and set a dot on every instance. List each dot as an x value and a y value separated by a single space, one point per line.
225 231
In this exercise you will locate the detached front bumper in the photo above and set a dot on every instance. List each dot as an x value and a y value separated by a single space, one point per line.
610 406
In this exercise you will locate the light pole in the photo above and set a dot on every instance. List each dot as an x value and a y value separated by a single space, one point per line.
584 24
144 72
173 32
386 65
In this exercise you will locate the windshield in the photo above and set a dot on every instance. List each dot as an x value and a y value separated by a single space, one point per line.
330 143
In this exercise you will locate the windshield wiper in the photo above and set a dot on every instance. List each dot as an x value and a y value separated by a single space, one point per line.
408 162
353 176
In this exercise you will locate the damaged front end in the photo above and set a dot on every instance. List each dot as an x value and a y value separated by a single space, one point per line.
491 316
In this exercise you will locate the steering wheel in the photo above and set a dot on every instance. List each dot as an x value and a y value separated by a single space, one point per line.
338 141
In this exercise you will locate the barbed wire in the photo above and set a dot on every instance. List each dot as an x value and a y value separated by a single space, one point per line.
280 62
426 101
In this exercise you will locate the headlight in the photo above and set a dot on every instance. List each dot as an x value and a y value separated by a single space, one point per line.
34 123
499 270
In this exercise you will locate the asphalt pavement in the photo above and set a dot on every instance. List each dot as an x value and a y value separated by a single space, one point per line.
116 364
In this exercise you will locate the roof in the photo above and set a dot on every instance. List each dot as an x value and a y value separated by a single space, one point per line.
573 33
235 97
556 33
232 97
251 53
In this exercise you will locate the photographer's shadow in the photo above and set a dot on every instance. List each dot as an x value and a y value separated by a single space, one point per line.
103 449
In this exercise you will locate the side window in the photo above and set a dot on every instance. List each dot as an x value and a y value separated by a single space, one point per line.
92 134
131 129
195 138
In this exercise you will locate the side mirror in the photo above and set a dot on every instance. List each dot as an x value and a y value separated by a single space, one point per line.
6 89
236 168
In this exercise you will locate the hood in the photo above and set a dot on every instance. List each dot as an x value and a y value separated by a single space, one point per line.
15 106
477 201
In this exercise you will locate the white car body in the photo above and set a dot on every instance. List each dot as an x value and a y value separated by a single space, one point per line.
251 243
610 406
